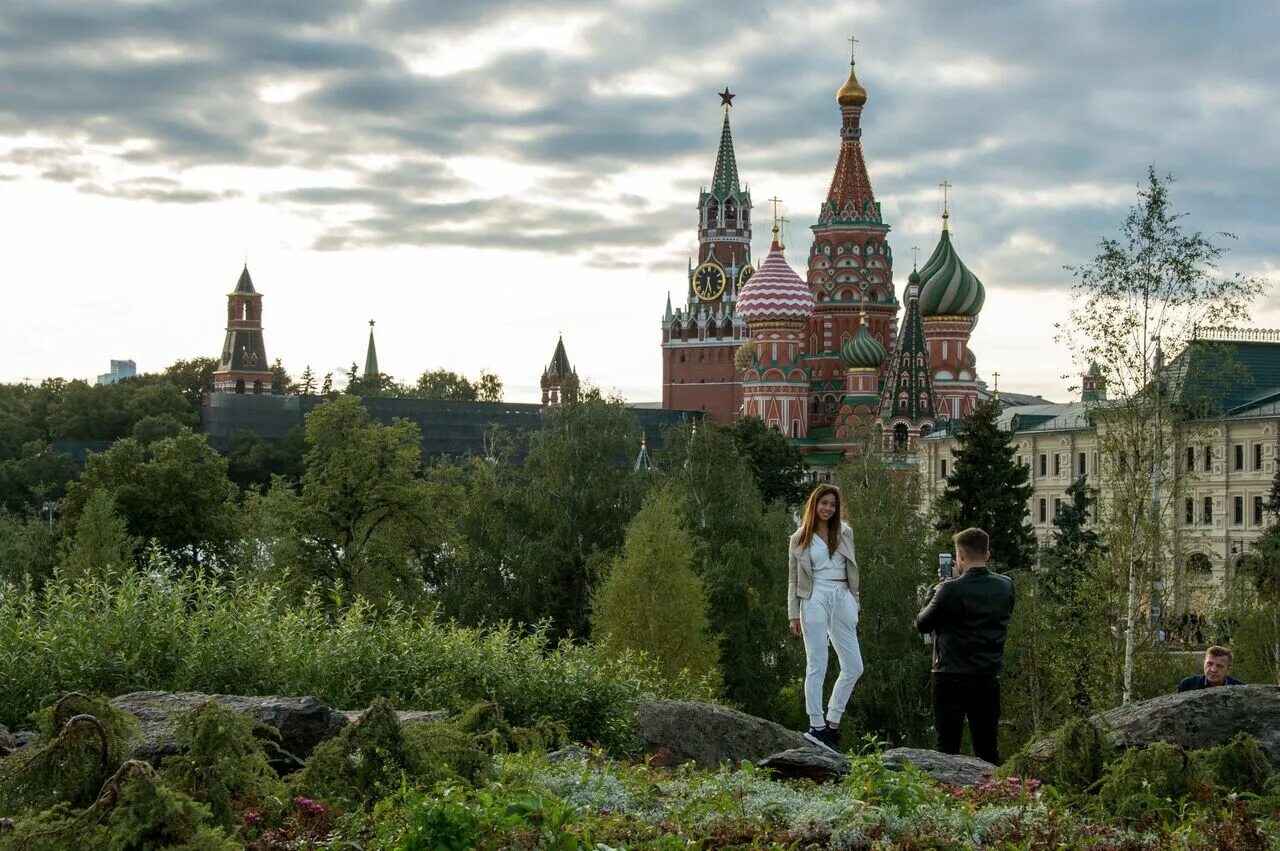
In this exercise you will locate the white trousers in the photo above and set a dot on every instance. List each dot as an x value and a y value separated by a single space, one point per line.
831 613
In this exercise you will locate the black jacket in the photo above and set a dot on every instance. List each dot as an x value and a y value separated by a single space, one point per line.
1199 681
969 618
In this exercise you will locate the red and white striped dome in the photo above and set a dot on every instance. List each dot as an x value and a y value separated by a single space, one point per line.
775 293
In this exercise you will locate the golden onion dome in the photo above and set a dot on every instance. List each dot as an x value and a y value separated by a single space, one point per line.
851 93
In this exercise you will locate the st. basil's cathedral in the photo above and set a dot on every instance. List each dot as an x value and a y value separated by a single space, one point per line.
835 361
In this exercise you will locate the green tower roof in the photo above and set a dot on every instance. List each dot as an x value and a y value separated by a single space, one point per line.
863 350
725 181
947 287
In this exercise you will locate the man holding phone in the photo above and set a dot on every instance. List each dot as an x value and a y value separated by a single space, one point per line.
969 618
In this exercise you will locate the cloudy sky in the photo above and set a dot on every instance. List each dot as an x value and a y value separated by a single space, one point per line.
480 176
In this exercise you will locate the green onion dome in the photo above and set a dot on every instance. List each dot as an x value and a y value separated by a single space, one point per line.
862 350
947 287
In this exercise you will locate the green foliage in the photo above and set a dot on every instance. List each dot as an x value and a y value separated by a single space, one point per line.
252 462
778 467
151 628
28 550
741 555
101 544
220 763
149 815
364 762
32 474
174 492
651 601
443 384
1238 766
1144 780
1079 752
895 561
82 742
988 489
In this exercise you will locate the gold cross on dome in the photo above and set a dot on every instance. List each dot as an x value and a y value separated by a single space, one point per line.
775 202
853 46
945 187
782 234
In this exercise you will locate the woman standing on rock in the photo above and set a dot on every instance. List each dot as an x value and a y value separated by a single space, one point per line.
822 604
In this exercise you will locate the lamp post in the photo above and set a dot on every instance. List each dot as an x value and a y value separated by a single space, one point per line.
48 508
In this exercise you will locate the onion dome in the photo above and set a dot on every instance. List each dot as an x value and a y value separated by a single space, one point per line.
914 277
863 350
775 293
947 287
851 93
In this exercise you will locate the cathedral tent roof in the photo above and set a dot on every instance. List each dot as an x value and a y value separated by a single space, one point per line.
244 286
775 292
559 366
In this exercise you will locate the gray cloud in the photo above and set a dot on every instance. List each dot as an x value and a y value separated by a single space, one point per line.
1018 105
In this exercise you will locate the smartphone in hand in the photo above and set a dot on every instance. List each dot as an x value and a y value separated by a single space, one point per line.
945 566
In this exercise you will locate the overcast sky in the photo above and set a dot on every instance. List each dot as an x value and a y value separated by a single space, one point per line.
481 176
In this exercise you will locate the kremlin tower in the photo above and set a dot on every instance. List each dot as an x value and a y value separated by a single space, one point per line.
699 339
243 367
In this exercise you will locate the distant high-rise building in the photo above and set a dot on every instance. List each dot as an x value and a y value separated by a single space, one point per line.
120 370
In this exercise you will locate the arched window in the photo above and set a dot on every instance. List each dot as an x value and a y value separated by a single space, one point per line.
900 437
1199 563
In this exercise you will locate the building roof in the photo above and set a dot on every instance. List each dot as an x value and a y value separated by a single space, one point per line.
908 387
244 286
947 287
775 292
724 182
863 350
371 355
559 366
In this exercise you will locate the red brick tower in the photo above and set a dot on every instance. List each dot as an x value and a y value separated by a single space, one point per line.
700 338
850 264
243 367
559 379
776 304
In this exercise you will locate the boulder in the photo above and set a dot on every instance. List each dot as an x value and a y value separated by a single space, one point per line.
808 763
8 742
431 716
710 735
301 722
1194 719
956 769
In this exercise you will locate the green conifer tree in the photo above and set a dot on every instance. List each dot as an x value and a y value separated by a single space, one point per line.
652 600
101 544
988 489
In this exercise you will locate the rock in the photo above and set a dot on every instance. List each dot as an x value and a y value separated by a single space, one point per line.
710 735
569 753
1193 719
8 743
25 738
302 722
807 763
431 716
956 769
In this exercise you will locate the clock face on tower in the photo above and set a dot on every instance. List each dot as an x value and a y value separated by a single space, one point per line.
745 275
709 281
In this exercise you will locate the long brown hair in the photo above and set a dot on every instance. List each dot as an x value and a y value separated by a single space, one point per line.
810 522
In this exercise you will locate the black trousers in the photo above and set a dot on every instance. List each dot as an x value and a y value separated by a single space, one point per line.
972 696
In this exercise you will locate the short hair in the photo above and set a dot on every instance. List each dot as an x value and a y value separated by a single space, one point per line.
973 541
1220 652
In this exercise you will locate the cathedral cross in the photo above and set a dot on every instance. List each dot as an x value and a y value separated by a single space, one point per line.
945 187
775 202
853 46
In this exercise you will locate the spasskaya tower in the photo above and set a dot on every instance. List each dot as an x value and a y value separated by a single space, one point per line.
700 337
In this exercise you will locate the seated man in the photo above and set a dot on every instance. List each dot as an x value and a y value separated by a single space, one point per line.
1217 671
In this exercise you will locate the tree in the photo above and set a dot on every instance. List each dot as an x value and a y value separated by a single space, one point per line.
989 489
742 559
777 465
326 386
1075 545
283 384
896 561
28 547
651 599
362 500
307 383
193 378
1143 298
101 545
175 492
37 474
443 384
252 462
489 388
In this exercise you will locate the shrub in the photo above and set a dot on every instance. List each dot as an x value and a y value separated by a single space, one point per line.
220 761
155 629
82 742
1143 781
1079 752
1237 766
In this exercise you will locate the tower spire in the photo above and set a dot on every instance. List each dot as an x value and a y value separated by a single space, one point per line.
725 180
371 355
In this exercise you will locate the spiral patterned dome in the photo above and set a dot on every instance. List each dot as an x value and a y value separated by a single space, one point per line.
775 293
863 350
947 287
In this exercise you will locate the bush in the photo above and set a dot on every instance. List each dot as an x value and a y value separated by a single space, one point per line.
153 629
1079 753
1237 766
1145 781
